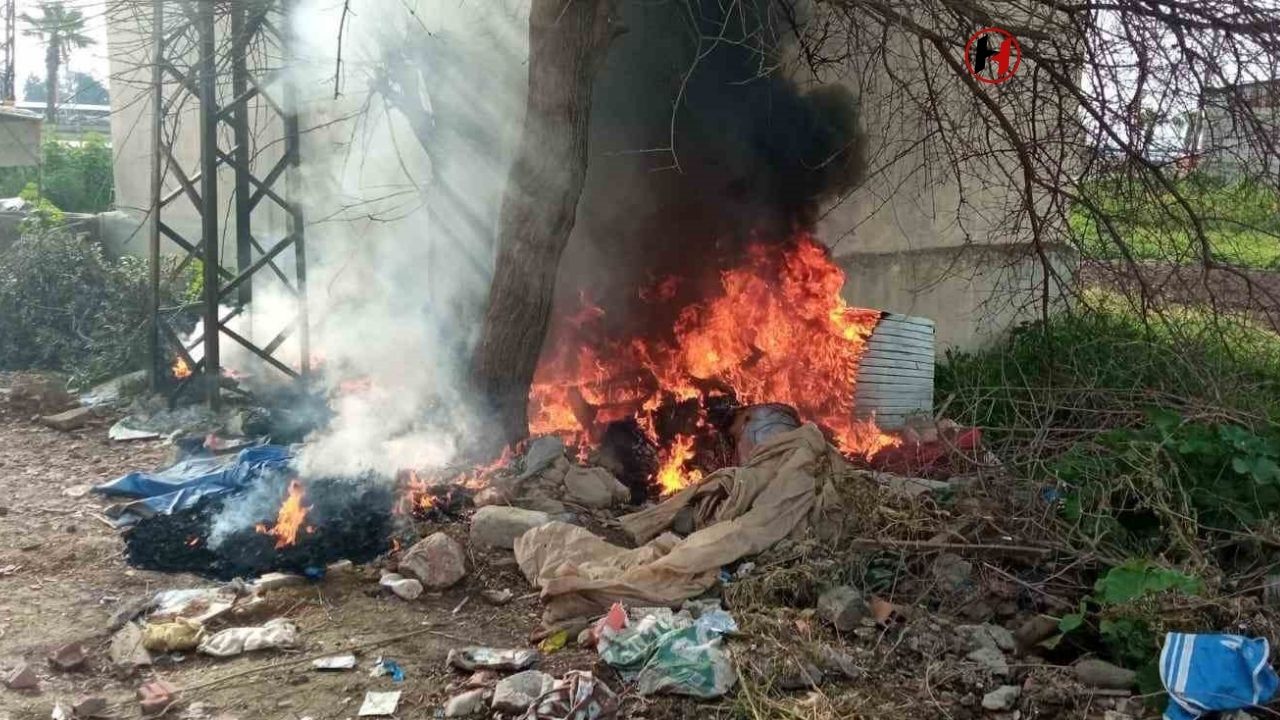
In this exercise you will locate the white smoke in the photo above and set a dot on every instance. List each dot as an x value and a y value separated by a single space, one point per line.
399 236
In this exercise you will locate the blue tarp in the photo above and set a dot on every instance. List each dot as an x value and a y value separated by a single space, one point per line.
183 484
1207 673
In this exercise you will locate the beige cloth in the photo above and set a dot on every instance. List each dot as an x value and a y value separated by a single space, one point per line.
739 512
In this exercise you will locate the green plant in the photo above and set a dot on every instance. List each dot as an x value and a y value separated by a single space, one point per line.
76 177
65 306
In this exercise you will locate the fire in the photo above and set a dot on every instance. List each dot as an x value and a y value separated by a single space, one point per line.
181 370
775 330
672 475
419 493
290 518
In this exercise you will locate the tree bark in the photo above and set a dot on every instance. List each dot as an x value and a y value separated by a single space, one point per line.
51 63
567 44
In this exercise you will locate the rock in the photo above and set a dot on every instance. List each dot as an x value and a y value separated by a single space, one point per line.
89 707
482 678
69 420
587 638
438 561
835 662
497 597
127 650
991 659
498 527
986 635
1034 630
32 394
404 588
542 453
952 570
594 487
128 610
843 607
490 496
22 677
1002 698
472 702
516 693
156 696
539 503
68 657
1102 674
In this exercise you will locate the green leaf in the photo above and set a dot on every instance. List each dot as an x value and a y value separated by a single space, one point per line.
1071 621
1137 578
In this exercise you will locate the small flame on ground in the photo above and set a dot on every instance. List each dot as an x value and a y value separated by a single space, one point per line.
290 518
181 370
672 475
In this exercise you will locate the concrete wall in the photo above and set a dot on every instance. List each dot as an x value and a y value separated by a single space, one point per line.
19 139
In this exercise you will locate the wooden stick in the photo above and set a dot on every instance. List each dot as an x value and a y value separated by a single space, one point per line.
927 545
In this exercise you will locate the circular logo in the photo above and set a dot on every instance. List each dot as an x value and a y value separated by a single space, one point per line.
992 55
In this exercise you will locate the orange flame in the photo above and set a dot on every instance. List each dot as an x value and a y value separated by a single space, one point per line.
672 475
777 330
419 490
181 370
290 518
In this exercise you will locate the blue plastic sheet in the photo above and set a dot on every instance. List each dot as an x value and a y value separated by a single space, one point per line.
185 483
1207 673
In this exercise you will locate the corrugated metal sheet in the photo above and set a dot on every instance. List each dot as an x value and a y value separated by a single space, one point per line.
895 377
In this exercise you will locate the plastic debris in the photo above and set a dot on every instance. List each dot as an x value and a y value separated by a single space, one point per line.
1207 673
577 696
478 658
178 635
274 634
377 704
554 641
335 662
389 668
671 653
404 588
198 604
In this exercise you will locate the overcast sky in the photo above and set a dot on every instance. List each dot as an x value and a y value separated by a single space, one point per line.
29 57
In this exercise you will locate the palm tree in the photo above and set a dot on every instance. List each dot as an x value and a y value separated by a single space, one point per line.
61 30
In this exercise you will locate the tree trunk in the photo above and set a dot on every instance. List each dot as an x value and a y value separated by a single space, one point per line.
567 43
51 83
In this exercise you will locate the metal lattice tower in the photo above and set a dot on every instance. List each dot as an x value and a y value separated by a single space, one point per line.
211 62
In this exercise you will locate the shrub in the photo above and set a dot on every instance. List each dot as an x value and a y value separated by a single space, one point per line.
77 178
65 306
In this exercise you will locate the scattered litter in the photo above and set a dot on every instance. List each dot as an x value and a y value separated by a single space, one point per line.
176 636
1206 673
77 491
335 662
554 641
379 703
128 648
198 604
497 597
120 432
674 655
68 657
274 634
59 712
9 570
404 588
477 658
277 580
156 696
22 677
516 693
471 702
388 668
577 696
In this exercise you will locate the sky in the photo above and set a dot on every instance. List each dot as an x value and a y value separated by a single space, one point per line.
29 57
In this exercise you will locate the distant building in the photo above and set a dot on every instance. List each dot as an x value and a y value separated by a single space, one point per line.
19 138
1236 132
